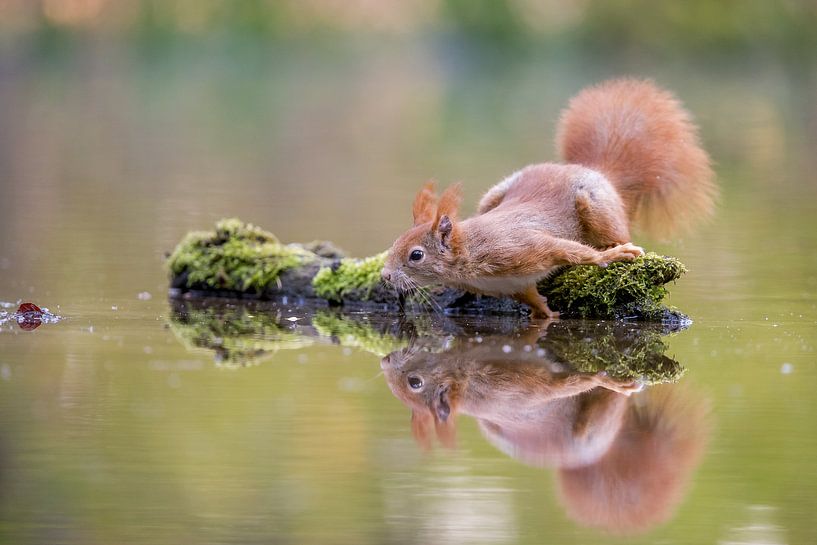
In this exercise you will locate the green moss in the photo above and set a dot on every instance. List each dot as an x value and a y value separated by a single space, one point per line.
357 277
357 334
622 288
236 336
236 257
622 353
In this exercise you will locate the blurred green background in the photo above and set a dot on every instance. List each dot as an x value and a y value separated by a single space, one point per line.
697 25
124 124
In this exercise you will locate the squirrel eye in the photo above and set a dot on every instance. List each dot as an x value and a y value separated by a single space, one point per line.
415 382
416 255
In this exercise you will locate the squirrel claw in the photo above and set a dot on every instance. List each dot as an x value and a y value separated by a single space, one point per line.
550 315
623 387
622 252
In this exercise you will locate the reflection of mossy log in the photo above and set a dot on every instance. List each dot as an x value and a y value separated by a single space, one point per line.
242 333
353 333
622 350
241 260
236 336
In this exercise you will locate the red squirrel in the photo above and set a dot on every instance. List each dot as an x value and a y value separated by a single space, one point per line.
632 156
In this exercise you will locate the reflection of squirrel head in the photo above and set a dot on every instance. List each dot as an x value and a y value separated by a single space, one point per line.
640 481
428 389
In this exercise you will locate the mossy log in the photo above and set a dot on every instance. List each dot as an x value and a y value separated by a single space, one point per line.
242 260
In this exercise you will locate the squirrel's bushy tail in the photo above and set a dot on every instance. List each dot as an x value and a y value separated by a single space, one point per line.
643 140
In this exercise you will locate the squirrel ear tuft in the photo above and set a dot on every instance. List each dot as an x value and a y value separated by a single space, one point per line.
421 425
425 204
450 201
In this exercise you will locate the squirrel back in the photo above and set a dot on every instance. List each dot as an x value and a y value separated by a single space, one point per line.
645 142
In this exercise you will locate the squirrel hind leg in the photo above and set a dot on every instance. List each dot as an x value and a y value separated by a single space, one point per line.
603 220
537 302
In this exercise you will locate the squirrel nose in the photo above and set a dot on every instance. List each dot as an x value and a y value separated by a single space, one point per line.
385 274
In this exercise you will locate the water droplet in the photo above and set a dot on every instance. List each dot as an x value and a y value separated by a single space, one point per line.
174 380
144 296
786 368
507 348
351 384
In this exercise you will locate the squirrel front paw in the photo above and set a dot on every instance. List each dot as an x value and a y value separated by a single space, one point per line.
622 386
622 252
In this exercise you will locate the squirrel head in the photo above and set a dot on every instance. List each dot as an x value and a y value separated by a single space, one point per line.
423 382
427 252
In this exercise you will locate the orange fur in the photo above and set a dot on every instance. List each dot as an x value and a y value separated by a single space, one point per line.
637 159
449 203
623 459
639 482
425 204
644 140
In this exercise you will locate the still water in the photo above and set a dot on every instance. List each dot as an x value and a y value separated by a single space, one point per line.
135 419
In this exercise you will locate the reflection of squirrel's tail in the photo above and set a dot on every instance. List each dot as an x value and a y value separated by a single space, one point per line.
644 141
639 482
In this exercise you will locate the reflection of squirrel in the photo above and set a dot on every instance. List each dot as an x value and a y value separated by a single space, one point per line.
508 388
634 157
622 460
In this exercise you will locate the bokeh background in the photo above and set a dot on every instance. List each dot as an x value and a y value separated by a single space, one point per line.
126 123
320 118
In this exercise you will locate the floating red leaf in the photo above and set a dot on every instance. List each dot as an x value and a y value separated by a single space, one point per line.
29 307
29 316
